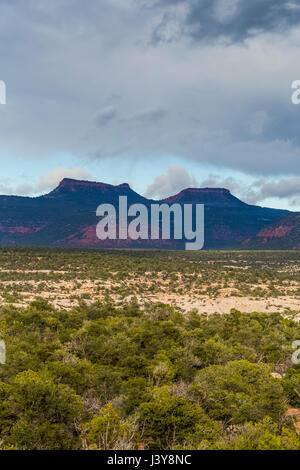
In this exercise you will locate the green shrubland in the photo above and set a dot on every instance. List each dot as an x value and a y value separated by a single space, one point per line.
107 376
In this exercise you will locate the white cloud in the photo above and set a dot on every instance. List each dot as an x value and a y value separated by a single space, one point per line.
171 182
46 183
51 179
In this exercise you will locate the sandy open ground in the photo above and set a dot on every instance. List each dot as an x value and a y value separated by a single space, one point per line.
207 282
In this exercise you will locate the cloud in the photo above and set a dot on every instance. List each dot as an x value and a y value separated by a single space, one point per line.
286 188
7 189
51 179
171 26
95 86
258 122
47 182
151 114
259 190
106 115
229 20
169 183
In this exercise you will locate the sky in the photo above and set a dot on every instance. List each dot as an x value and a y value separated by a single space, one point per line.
162 94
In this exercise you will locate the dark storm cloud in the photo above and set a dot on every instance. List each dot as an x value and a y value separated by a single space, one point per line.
84 78
234 20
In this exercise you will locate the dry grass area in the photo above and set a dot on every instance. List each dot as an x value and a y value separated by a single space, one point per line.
207 282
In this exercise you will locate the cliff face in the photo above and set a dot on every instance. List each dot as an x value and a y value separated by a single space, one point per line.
282 234
67 217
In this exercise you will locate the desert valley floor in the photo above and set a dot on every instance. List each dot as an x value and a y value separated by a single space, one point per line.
206 281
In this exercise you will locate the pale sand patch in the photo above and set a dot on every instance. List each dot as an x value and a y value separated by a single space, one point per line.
244 304
224 305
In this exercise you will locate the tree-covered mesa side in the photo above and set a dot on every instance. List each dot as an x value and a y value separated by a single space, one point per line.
118 377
